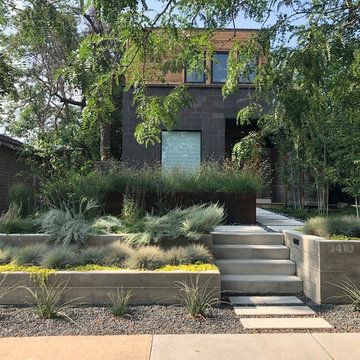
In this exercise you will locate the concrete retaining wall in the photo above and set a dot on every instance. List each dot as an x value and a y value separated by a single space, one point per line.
322 263
92 287
98 240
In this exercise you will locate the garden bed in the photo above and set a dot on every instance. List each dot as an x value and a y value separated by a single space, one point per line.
92 287
323 264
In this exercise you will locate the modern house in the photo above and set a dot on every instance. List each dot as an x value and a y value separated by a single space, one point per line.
206 130
10 166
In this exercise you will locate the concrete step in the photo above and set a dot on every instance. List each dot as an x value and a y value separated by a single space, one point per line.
273 310
256 267
251 252
264 300
262 284
223 238
285 323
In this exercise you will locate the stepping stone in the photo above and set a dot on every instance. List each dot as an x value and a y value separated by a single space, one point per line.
285 323
264 300
273 310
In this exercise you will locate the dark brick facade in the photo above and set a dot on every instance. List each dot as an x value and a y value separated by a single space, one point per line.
10 165
207 114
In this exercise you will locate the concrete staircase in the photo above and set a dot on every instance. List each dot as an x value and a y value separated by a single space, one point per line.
255 263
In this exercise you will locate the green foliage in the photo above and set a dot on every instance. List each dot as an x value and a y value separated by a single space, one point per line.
12 223
146 258
196 297
107 224
31 254
197 254
93 255
131 211
118 253
69 224
7 254
333 225
61 257
351 293
120 302
48 300
190 222
176 256
24 197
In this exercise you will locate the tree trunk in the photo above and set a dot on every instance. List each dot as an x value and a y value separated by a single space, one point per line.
105 135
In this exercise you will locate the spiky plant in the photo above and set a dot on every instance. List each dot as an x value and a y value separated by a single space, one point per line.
197 253
120 302
146 258
32 254
351 293
118 253
61 257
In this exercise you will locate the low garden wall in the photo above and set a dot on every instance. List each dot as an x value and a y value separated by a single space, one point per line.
98 240
322 263
240 209
92 287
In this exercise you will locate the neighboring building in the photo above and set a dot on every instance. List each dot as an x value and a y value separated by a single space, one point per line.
10 166
206 130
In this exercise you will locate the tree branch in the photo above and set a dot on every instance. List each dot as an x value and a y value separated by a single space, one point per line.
64 100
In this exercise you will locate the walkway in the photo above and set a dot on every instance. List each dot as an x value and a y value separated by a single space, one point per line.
300 346
275 221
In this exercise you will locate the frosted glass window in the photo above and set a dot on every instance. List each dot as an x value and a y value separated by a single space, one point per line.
181 150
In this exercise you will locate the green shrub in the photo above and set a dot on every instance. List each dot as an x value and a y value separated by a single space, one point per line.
197 253
68 225
346 225
12 223
196 297
94 255
107 224
118 253
176 256
120 302
146 258
61 257
191 222
47 300
31 254
132 212
7 254
24 197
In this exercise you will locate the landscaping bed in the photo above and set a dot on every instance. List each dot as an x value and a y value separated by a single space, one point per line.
153 319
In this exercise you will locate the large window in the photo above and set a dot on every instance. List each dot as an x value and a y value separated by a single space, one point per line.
195 75
181 150
219 67
249 77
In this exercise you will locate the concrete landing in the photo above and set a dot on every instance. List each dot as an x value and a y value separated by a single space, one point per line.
276 222
273 310
264 300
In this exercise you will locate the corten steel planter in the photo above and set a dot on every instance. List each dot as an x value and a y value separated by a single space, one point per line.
92 287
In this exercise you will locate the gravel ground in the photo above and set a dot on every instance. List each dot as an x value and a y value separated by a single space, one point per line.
151 319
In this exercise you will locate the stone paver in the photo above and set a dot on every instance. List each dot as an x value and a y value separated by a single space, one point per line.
340 346
236 347
273 310
127 347
285 323
240 229
264 300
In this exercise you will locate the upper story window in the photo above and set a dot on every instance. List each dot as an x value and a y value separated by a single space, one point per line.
250 75
219 67
196 75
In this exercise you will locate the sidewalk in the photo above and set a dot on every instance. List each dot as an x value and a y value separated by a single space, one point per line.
296 346
276 222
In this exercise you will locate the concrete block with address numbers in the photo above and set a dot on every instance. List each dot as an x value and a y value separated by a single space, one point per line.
323 265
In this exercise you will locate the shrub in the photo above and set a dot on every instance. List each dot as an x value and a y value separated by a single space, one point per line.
176 256
61 257
333 225
197 253
191 222
93 255
24 197
351 293
68 225
120 302
30 255
202 220
118 253
11 222
47 300
196 297
107 224
146 258
7 254
132 211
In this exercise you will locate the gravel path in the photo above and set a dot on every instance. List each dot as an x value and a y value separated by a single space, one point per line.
155 319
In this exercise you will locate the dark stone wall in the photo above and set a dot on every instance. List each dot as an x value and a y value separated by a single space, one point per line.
10 165
207 114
